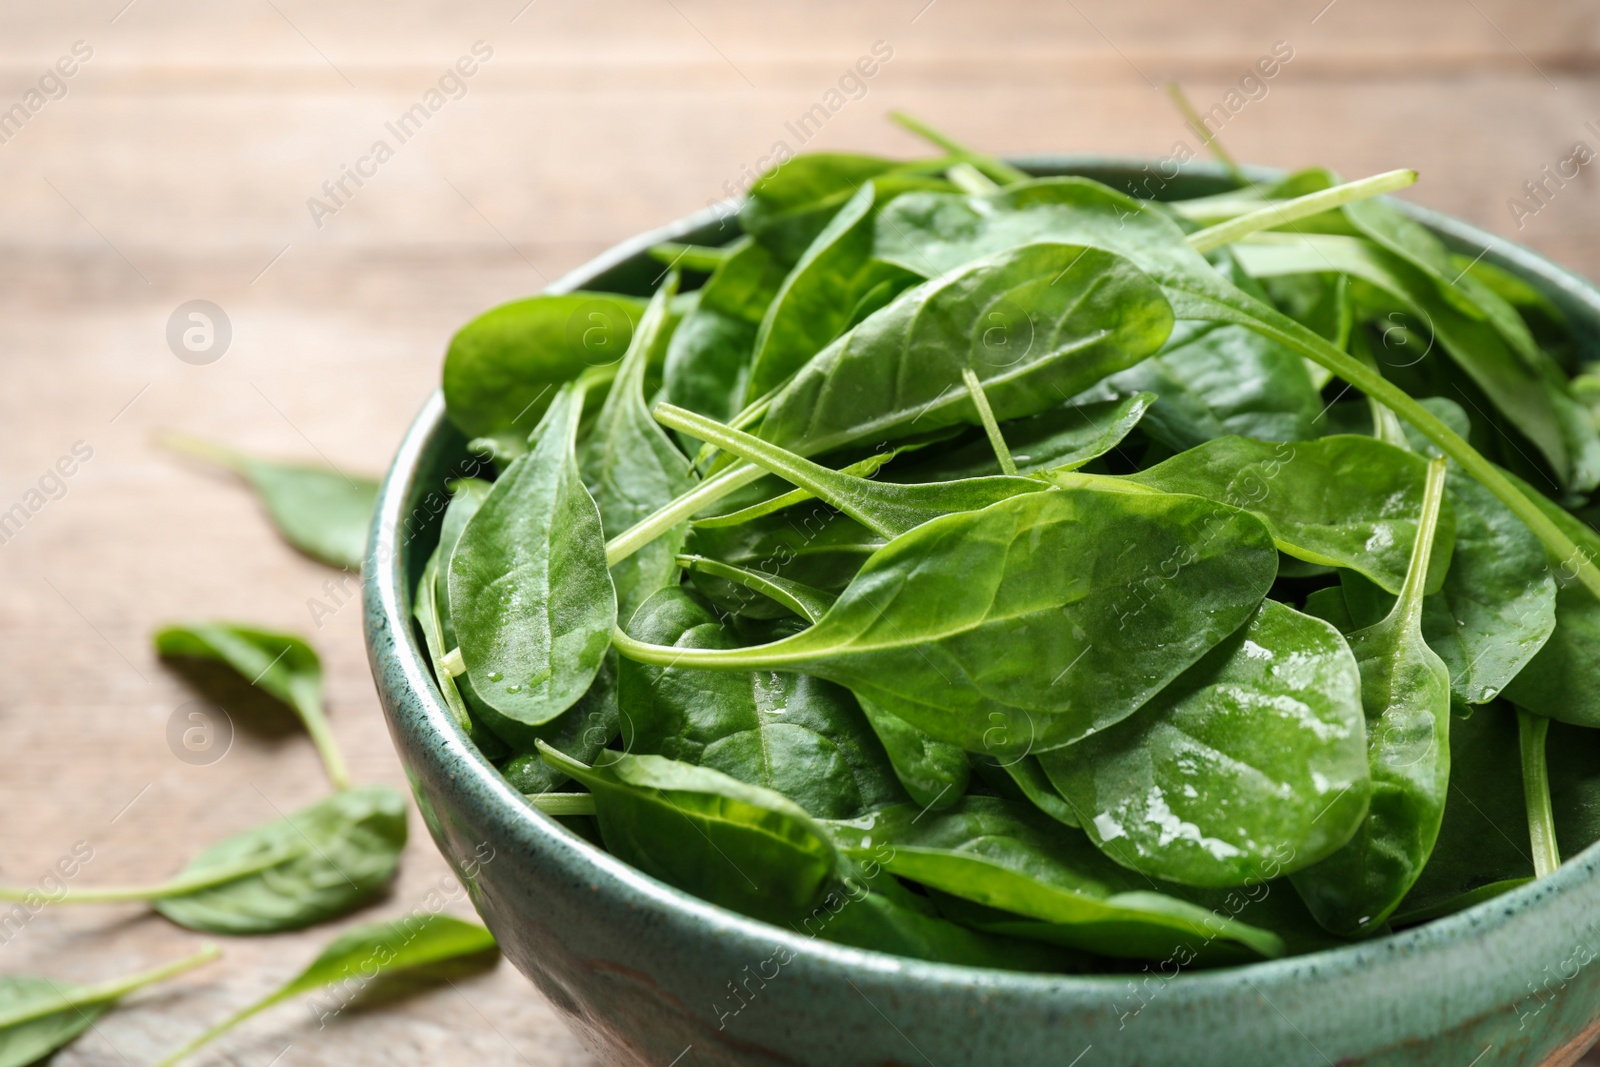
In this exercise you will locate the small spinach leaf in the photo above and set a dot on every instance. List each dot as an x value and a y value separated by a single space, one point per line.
361 955
322 511
531 597
504 368
1062 438
1259 747
1405 691
792 733
632 469
282 665
1000 855
738 845
39 1015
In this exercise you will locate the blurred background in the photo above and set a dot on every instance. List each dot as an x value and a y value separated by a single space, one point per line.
204 151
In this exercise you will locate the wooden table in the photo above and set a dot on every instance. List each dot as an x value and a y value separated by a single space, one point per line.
178 166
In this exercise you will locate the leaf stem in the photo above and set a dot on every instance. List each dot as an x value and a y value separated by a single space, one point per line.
701 258
1281 214
113 990
991 426
1408 605
665 518
199 448
998 169
1192 117
1531 730
309 705
970 179
178 887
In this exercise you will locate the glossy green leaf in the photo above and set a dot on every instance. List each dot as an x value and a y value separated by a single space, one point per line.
1562 681
582 731
1037 325
632 469
505 367
530 594
811 543
1215 380
1405 690
886 508
797 735
1259 747
1341 501
708 359
39 1015
789 205
282 665
934 773
820 295
1023 779
360 956
979 627
742 846
1000 855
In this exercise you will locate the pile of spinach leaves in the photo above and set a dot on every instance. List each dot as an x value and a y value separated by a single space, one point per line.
1005 570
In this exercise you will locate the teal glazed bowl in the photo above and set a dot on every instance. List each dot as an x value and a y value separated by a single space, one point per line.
647 975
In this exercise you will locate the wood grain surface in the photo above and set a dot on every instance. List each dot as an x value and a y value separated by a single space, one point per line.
178 165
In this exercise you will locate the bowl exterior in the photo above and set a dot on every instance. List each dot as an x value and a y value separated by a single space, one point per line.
645 974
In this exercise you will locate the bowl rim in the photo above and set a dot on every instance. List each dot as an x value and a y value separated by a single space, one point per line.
393 648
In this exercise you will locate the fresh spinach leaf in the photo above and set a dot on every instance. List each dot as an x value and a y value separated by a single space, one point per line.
934 773
531 597
820 296
632 469
948 626
1405 691
1340 501
505 367
999 855
1258 749
802 600
1057 318
282 665
320 510
742 846
39 1015
360 956
708 359
797 735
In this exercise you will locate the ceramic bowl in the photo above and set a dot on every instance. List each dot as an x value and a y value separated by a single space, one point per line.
647 975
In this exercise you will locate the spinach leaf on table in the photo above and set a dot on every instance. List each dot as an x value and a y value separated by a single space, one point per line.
742 846
316 864
1405 691
320 510
1257 750
632 469
531 597
505 367
39 1015
1061 318
319 863
361 956
797 735
282 665
948 626
1049 882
